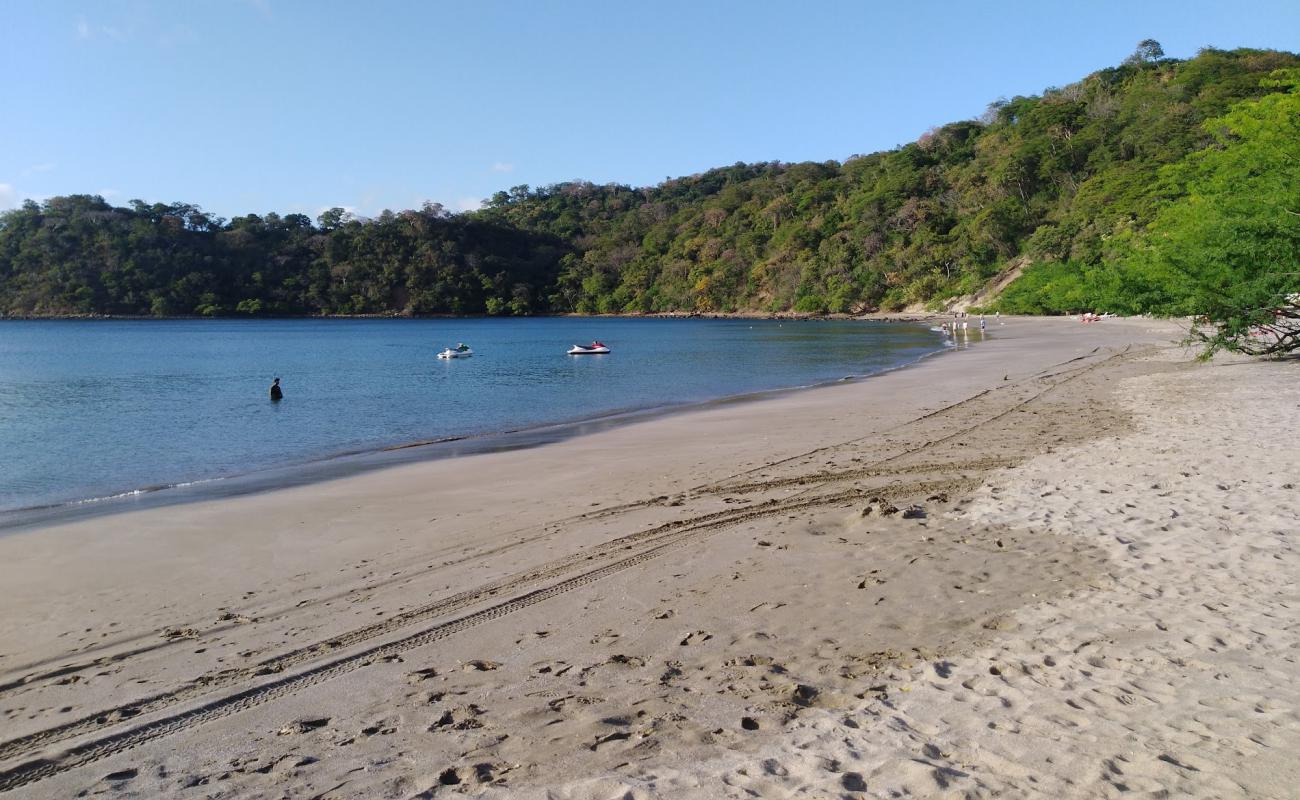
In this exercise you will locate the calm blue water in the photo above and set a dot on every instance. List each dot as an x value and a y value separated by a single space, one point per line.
90 409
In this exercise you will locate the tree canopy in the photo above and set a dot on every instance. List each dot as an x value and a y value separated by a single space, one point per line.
1067 182
79 255
1230 243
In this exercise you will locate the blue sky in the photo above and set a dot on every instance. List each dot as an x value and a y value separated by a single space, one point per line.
270 105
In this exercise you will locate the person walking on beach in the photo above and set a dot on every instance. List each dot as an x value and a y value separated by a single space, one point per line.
276 394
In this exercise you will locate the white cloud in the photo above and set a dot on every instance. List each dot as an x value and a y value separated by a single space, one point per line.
87 30
34 168
12 198
108 194
502 166
468 204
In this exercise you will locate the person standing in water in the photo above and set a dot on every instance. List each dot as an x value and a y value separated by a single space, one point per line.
276 394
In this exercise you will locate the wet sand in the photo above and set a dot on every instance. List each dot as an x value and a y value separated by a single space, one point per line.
1014 570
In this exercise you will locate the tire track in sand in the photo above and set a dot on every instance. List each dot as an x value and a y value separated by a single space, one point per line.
726 484
244 699
656 540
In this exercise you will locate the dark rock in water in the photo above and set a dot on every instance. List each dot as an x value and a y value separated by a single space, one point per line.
913 512
749 723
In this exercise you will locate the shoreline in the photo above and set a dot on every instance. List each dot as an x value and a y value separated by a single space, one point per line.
798 316
347 463
671 608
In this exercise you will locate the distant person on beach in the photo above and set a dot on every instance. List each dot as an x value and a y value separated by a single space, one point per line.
276 394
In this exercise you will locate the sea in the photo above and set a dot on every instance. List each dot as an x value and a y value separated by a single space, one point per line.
106 415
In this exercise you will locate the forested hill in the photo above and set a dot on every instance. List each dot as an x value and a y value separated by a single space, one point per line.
1061 181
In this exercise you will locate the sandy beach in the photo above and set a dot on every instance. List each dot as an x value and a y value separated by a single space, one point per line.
1060 563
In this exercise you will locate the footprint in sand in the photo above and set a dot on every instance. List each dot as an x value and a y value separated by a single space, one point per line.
610 737
303 726
449 777
752 661
872 579
558 668
698 636
605 636
462 718
121 777
421 675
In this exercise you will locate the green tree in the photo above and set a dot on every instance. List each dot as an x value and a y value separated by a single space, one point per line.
1147 50
1233 236
1060 184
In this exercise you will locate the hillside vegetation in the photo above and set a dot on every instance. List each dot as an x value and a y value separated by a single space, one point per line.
1068 182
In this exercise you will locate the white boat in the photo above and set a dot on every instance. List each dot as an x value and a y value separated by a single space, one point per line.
461 350
593 349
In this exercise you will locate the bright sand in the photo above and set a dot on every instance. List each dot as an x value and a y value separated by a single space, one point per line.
1059 564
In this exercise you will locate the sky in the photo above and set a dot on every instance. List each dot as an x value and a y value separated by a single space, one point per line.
294 106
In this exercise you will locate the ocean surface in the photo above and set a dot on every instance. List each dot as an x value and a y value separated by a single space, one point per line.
101 409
